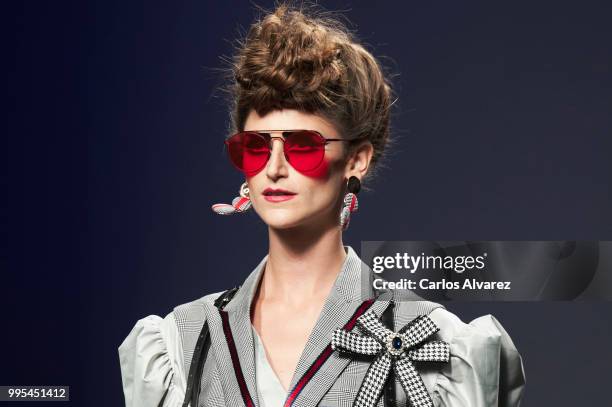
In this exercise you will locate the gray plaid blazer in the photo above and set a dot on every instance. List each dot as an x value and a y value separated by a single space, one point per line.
335 383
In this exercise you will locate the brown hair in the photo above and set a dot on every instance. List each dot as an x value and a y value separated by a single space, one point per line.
299 57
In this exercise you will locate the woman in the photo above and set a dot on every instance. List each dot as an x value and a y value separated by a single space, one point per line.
310 120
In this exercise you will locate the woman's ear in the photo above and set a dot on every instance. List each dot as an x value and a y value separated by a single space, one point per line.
359 160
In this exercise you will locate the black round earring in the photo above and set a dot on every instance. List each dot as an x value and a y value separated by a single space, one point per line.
354 185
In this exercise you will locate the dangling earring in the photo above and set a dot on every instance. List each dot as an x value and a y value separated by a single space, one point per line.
350 201
241 203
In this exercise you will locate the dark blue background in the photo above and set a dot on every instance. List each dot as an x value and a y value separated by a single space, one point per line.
113 156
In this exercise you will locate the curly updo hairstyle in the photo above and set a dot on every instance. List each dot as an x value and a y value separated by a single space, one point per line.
299 57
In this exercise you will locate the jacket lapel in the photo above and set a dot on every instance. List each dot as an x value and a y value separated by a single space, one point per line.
238 313
318 367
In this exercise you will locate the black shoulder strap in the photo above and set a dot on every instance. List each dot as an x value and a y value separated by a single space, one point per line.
201 351
389 395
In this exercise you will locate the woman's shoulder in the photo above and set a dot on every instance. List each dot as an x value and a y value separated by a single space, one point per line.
150 333
485 367
198 303
151 361
190 316
152 355
452 327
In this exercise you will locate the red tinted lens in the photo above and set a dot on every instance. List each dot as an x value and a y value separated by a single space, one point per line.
304 149
248 151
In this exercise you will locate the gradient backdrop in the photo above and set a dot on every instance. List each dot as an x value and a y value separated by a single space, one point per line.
113 155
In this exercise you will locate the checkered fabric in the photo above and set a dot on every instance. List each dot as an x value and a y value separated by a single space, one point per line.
412 383
347 341
370 323
393 349
434 351
419 329
374 381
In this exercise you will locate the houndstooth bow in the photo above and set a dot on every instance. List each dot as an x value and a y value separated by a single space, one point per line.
397 349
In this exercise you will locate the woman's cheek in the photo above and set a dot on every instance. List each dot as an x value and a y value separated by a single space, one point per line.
319 173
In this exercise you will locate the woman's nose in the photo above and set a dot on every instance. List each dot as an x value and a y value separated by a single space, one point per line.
277 165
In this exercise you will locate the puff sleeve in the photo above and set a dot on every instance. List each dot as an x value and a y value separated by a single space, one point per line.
151 362
485 368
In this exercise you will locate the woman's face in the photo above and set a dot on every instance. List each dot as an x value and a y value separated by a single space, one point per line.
316 197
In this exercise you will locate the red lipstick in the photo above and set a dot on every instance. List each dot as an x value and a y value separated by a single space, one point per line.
277 195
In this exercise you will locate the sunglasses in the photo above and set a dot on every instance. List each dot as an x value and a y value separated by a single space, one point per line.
304 150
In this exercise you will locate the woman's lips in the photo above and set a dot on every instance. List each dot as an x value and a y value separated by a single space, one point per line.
277 195
278 198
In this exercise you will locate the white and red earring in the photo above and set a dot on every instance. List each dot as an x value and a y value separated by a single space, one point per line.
350 204
239 204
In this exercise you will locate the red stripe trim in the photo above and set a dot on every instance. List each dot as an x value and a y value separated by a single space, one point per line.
324 355
234 354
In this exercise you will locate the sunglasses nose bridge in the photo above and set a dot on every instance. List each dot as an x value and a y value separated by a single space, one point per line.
271 143
279 151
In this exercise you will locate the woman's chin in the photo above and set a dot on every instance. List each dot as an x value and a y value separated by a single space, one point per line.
283 221
283 225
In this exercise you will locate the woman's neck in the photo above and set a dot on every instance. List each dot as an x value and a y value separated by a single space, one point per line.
301 267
